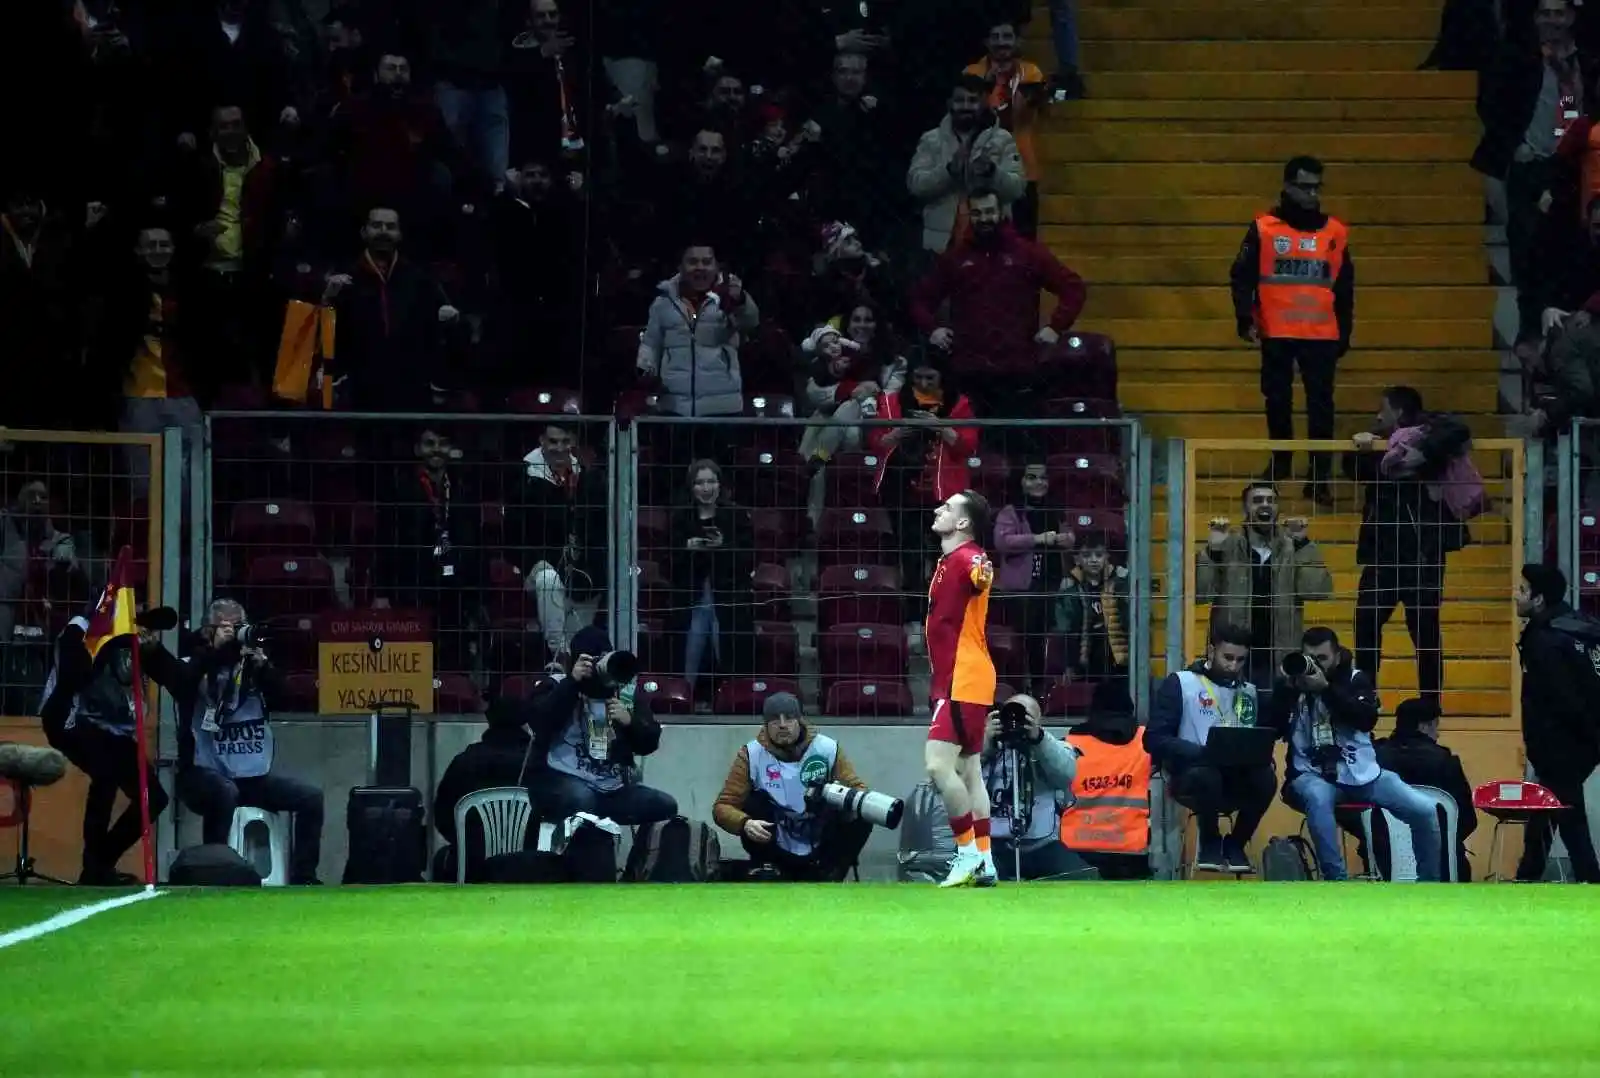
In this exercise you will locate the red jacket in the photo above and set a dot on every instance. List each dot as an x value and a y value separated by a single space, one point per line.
994 302
946 471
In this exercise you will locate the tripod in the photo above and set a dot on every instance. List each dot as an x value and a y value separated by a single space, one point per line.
21 814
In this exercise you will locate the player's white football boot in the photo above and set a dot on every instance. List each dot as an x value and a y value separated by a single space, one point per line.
965 868
988 876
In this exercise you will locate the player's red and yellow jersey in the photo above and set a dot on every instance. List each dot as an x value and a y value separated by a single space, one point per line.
958 613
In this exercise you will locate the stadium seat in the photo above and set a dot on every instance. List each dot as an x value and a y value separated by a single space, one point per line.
1086 480
862 652
859 535
777 649
282 525
277 586
348 526
1109 522
292 641
1055 656
859 593
747 696
1082 363
868 698
520 686
545 401
770 406
770 590
455 694
991 476
655 648
299 692
770 476
654 527
492 523
1069 699
777 532
1084 439
849 479
655 593
667 695
1589 531
1007 650
506 599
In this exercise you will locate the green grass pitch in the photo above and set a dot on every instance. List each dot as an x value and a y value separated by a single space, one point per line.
774 980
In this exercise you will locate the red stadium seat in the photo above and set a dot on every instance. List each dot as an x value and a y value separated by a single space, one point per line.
277 586
770 590
1084 439
880 698
545 401
1109 522
859 593
771 476
1589 589
656 648
747 696
771 406
1589 531
1082 364
455 694
298 692
349 526
854 535
654 527
863 652
292 641
506 598
1069 699
777 649
655 593
281 524
521 686
991 476
849 479
1007 650
667 695
1056 659
777 532
1089 480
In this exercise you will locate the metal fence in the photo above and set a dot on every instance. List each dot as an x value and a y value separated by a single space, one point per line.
1424 606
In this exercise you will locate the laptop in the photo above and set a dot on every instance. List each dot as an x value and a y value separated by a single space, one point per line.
1239 746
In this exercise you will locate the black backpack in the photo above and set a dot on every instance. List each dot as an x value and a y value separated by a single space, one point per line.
388 837
1287 859
674 851
214 865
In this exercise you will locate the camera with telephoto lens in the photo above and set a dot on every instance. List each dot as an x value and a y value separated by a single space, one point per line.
1294 665
880 810
1013 725
251 636
612 671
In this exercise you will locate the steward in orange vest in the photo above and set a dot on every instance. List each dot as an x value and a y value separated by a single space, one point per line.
1108 823
1294 295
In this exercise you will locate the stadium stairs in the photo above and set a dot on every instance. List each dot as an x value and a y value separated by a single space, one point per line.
1149 186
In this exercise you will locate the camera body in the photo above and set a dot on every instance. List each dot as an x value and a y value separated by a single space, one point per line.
251 636
612 671
1013 725
1325 758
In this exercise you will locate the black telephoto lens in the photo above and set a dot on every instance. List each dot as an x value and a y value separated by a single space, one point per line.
1294 664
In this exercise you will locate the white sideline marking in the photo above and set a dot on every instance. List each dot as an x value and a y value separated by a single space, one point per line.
68 918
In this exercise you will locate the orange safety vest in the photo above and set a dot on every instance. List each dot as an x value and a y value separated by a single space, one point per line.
1294 294
1110 812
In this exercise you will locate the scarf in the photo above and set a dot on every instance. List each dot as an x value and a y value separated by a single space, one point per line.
933 402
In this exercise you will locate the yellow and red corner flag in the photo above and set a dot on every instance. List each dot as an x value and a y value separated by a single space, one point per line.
113 617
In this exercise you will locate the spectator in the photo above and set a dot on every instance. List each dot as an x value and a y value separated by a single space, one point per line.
1569 278
724 107
1212 692
843 388
1524 103
713 555
701 203
558 516
858 178
1064 35
919 464
767 799
967 153
1327 712
1094 615
430 557
1574 368
587 740
1030 545
32 549
1108 820
1414 753
229 55
1017 94
1261 577
1559 732
1294 295
1405 538
626 33
850 276
992 284
467 50
392 321
37 309
1025 808
691 342
548 81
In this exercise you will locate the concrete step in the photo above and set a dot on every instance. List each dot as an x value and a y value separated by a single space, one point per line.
1195 301
1438 266
1189 110
1154 142
1354 210
1262 181
1268 81
1396 124
1168 363
1130 54
1242 463
1225 239
1465 332
1257 22
1241 396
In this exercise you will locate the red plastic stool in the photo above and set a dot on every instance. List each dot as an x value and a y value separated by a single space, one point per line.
1512 803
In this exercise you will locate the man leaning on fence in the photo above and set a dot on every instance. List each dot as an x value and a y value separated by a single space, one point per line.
559 518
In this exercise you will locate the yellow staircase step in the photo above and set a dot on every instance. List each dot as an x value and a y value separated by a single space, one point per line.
1194 425
1400 124
1269 82
1357 210
1398 363
1483 641
1238 464
1142 398
1446 266
1193 301
1333 529
1260 181
1464 332
1149 239
1250 21
1070 115
1153 142
1231 56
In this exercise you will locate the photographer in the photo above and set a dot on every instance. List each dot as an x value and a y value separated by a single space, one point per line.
1035 789
225 743
1327 709
768 799
588 730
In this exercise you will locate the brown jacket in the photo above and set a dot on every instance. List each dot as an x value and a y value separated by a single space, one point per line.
1298 574
729 811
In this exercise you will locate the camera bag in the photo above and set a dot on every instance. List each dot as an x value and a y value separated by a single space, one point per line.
1288 859
388 835
678 850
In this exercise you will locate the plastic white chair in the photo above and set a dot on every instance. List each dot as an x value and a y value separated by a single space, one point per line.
1402 857
242 837
505 811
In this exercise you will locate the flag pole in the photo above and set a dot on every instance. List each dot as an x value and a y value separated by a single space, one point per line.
144 769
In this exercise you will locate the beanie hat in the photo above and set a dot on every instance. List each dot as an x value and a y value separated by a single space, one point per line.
813 344
590 640
781 705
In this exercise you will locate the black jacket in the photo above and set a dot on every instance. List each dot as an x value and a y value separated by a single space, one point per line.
549 712
1507 95
1400 524
206 661
546 521
1422 761
75 668
1245 275
389 337
495 760
1560 691
1351 698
